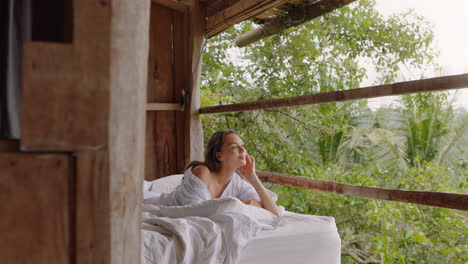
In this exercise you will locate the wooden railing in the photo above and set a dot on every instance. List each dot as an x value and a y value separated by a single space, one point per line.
447 200
425 85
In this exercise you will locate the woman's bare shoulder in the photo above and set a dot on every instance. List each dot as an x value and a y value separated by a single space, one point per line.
202 172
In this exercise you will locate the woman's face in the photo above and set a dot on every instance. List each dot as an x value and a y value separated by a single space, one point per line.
233 153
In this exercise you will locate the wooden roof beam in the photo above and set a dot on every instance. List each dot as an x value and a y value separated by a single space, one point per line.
180 6
238 12
290 20
418 86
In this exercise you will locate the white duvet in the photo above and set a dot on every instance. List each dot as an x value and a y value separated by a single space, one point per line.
213 231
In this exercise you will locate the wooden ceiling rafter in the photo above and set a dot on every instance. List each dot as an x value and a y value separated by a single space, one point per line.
214 6
274 15
290 19
180 6
238 12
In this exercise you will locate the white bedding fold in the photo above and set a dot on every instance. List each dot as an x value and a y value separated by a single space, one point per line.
213 231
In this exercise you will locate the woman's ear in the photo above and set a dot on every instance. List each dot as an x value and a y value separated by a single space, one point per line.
219 156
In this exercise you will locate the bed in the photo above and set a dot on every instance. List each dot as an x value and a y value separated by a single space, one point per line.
295 238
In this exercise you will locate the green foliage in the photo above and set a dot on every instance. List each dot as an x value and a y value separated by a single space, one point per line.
393 232
421 144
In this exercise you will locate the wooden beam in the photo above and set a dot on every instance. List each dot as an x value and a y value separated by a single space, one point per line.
239 11
214 6
179 6
447 200
163 107
425 85
281 23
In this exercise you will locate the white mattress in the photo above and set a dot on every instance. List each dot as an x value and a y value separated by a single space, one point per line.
298 239
304 239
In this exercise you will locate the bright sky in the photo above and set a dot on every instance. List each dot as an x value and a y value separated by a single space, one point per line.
450 20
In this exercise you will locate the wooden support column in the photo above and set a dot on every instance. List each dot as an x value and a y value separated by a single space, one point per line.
126 139
194 142
109 181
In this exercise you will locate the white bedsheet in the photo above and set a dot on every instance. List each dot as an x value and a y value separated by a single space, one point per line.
298 239
213 231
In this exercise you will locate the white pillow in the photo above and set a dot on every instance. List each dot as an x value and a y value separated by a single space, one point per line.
166 184
146 186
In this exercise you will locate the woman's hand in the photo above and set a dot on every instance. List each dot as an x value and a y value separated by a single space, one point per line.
248 170
248 173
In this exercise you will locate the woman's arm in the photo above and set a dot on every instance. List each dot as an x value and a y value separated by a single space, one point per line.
248 173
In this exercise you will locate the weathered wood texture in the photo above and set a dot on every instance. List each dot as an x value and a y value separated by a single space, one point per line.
290 19
214 6
163 107
126 139
35 222
238 12
167 71
92 208
425 85
193 127
89 97
9 145
160 131
447 200
180 38
65 92
179 6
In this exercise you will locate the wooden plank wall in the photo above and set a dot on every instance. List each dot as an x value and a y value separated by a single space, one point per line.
75 77
92 208
36 224
165 130
83 102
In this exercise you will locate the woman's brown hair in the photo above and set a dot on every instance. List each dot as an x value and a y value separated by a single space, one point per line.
214 146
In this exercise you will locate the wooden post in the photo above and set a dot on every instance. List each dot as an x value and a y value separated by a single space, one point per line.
128 77
194 138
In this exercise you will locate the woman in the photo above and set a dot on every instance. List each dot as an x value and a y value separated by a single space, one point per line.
217 177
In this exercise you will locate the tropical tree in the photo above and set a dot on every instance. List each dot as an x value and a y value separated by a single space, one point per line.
405 146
